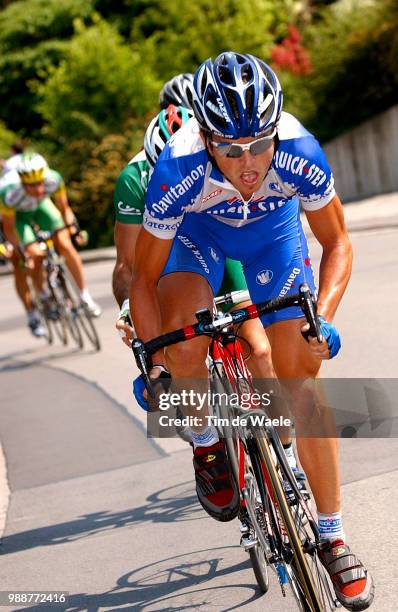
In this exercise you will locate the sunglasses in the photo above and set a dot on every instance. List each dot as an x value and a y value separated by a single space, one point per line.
233 149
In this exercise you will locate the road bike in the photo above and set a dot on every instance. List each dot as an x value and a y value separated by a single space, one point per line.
280 531
63 311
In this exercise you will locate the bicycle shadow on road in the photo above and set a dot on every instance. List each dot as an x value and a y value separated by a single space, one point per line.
183 582
175 503
13 363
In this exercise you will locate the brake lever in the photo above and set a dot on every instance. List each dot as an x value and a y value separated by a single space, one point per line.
143 361
308 306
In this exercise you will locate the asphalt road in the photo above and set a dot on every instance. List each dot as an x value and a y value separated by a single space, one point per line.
98 510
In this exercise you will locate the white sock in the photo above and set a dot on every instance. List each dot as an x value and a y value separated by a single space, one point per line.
85 295
291 457
331 526
207 437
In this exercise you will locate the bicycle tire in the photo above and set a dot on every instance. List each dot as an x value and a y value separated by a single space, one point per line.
87 325
298 573
260 567
320 575
256 553
74 328
49 334
83 317
59 324
70 309
312 602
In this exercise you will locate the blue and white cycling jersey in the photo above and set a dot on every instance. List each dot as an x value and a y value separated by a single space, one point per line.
190 201
185 181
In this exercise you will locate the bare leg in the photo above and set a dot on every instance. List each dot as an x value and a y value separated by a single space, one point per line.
21 283
36 269
262 369
260 360
186 361
318 455
65 247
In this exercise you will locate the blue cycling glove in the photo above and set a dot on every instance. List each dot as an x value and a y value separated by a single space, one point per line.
163 381
331 335
138 390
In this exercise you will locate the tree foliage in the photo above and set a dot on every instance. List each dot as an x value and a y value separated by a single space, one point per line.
98 84
354 53
32 39
81 78
28 22
17 69
181 35
92 194
7 137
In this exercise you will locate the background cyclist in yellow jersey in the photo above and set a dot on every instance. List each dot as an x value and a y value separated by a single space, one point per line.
26 194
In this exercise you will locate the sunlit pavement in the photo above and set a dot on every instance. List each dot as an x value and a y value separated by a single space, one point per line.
100 511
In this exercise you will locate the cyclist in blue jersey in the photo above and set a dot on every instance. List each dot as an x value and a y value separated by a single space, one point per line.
229 184
175 98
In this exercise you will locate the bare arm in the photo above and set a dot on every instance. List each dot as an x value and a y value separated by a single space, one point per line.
328 227
125 240
61 200
151 254
10 230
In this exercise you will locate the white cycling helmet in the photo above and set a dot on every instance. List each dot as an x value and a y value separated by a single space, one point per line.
161 128
32 168
177 91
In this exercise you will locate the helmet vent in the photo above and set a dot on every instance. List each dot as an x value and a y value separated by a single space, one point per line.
232 103
267 107
215 115
203 83
176 91
189 97
240 58
225 76
250 100
223 60
247 73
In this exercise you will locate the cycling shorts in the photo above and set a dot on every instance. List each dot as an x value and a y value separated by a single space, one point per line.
274 254
46 216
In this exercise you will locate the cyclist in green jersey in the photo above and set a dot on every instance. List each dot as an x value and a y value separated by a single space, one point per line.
129 196
26 195
129 205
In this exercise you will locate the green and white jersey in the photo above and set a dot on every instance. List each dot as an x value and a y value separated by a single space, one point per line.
131 186
129 203
14 197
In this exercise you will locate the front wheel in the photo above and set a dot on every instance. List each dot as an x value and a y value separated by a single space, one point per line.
298 570
260 567
81 321
87 325
54 312
251 505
